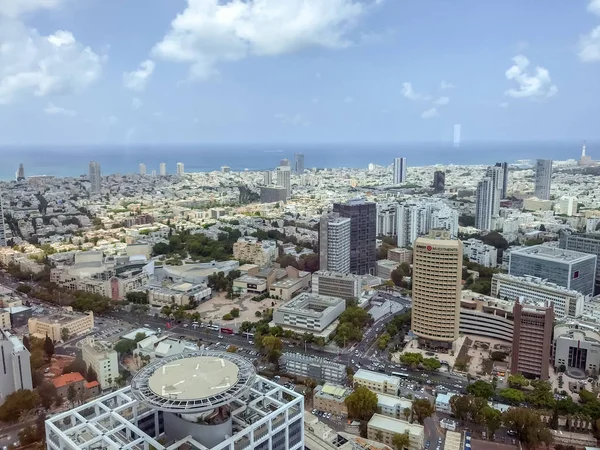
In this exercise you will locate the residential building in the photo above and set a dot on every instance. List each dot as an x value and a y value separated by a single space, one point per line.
487 201
454 441
385 267
586 243
532 340
377 382
142 169
400 255
53 325
383 428
15 372
180 169
261 253
178 294
299 163
570 269
442 403
363 224
310 312
478 252
439 181
317 368
436 287
393 406
3 229
267 178
543 178
273 194
101 357
417 219
248 284
568 206
399 175
577 346
5 323
330 398
94 177
504 167
387 219
284 179
334 243
225 169
162 169
566 302
336 284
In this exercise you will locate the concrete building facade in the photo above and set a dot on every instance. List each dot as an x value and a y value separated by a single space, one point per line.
399 171
310 312
15 371
261 253
585 243
52 326
377 382
577 346
336 284
543 178
386 427
317 368
103 359
363 225
334 243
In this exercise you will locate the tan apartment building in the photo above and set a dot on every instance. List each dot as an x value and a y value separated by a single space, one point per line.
261 253
383 428
377 382
400 255
532 340
52 326
330 398
436 289
393 406
103 359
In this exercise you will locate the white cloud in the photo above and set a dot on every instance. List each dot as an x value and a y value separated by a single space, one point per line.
594 7
137 80
349 99
409 92
444 85
136 103
442 101
53 110
503 105
15 8
33 64
209 32
538 84
295 120
430 113
589 46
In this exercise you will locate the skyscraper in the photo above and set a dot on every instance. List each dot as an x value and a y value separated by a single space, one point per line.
20 175
334 243
3 237
284 179
363 226
162 169
543 178
267 178
504 167
487 202
439 181
457 131
180 168
95 177
299 163
15 371
399 175
142 169
284 162
436 288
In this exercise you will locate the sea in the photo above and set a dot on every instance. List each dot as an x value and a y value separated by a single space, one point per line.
72 161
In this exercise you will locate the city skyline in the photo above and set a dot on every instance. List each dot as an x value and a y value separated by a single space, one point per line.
169 85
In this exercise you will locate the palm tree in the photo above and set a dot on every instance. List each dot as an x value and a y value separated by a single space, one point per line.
401 441
406 413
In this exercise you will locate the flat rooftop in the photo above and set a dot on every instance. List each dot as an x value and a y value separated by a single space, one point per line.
62 318
310 303
375 377
194 378
395 425
337 275
553 254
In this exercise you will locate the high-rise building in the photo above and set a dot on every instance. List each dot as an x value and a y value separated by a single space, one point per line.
20 175
504 167
191 400
284 179
162 169
416 219
284 162
457 131
142 169
299 163
95 177
15 371
225 169
543 178
436 288
3 234
267 178
585 243
487 201
399 175
180 168
363 236
532 340
334 243
387 219
439 181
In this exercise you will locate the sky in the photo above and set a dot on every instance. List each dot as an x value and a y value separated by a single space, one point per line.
105 72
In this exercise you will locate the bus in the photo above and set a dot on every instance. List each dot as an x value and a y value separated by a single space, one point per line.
400 374
226 331
213 327
248 334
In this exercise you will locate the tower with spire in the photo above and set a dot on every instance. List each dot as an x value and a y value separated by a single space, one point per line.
585 160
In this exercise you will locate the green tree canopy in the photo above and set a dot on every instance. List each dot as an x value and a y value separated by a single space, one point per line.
512 396
401 441
481 389
527 425
517 381
492 419
422 409
18 402
361 404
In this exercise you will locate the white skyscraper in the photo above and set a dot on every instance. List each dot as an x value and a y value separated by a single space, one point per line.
3 239
15 370
334 243
417 219
180 168
399 170
142 169
457 131
162 169
267 178
284 179
487 202
387 216
543 178
95 177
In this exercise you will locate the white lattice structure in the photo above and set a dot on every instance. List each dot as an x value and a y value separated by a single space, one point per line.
194 401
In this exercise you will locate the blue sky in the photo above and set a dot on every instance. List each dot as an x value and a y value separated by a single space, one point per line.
229 71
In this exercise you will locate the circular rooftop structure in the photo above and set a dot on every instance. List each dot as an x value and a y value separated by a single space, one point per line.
193 382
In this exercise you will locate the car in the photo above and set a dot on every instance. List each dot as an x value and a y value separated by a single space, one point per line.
220 337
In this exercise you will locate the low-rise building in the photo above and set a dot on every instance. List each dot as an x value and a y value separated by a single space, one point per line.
385 427
317 368
103 359
377 382
577 346
261 253
336 284
400 255
385 267
393 406
485 316
286 289
453 441
63 382
330 398
309 312
5 323
53 326
273 194
249 284
179 294
478 252
162 346
442 403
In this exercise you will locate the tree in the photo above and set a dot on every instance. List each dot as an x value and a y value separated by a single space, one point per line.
64 334
91 375
48 347
361 404
468 407
396 276
527 425
232 349
411 359
26 343
512 396
422 409
481 389
273 346
47 393
401 441
541 397
17 402
492 418
431 364
406 413
498 356
77 365
517 381
125 346
310 384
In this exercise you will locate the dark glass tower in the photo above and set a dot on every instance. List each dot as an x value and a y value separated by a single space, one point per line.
439 181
